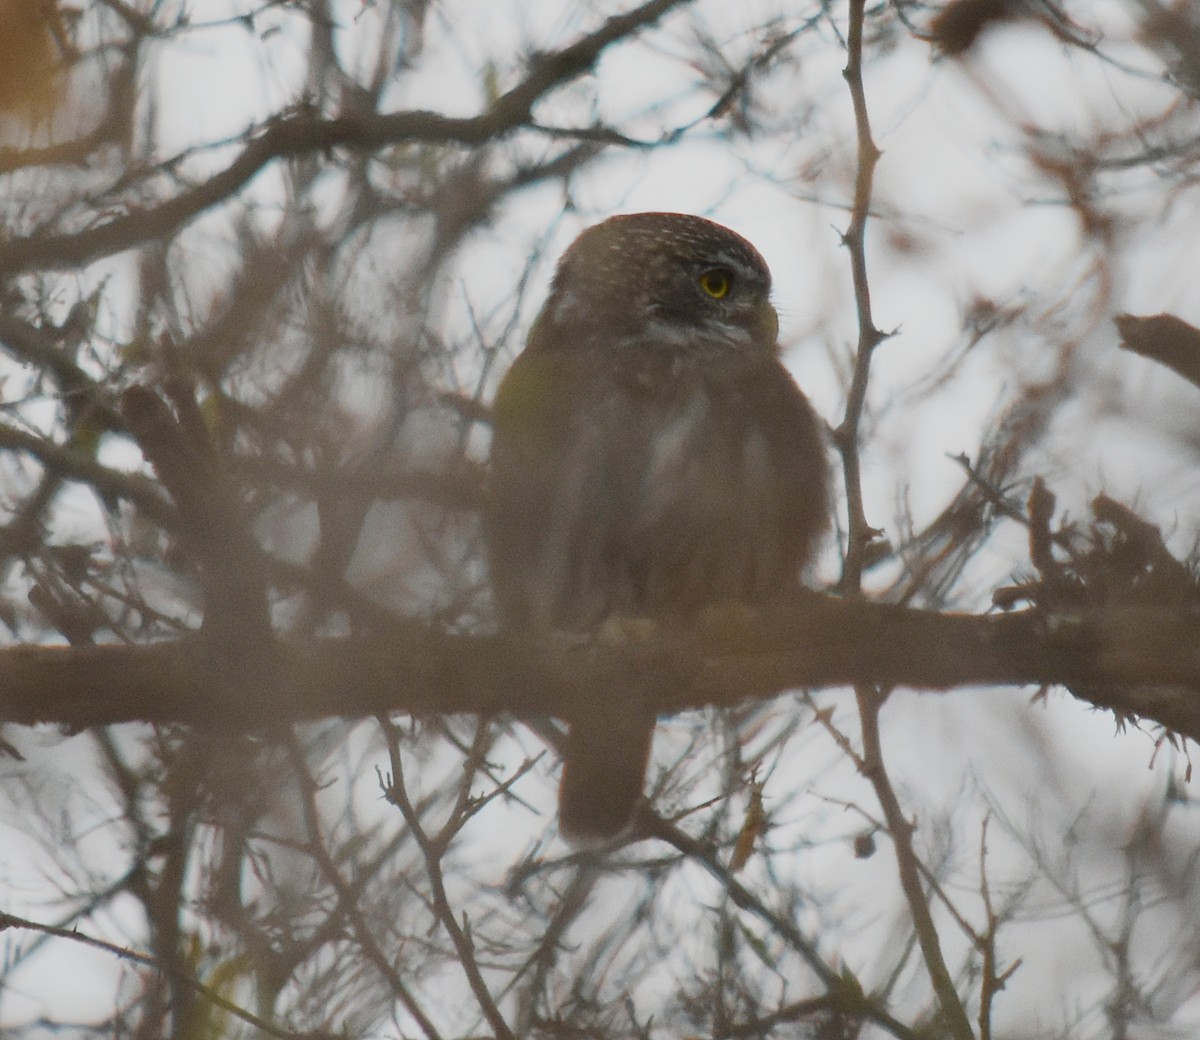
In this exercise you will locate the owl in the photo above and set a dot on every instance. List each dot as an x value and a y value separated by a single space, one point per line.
651 459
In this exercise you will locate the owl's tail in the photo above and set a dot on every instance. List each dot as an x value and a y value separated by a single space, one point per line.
604 773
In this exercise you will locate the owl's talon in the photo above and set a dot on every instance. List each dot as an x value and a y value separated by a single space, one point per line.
726 621
619 630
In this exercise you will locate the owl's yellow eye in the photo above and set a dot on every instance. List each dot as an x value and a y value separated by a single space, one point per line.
716 282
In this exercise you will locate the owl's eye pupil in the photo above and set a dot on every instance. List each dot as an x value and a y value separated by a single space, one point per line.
716 282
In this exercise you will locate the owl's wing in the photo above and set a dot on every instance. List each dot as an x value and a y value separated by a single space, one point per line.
795 457
556 482
630 484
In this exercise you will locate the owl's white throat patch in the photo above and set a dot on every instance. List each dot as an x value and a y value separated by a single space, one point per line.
677 335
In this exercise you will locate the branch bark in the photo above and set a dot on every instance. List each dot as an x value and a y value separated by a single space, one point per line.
1134 659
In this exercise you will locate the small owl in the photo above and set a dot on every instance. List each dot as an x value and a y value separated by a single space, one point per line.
651 458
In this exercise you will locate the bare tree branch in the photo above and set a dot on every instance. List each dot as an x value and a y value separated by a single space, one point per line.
1130 657
74 935
304 132
869 695
1164 338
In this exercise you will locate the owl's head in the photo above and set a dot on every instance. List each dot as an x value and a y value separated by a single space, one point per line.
670 278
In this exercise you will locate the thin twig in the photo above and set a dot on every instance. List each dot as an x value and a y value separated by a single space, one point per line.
847 995
432 851
990 983
305 133
870 698
347 898
124 953
908 864
859 532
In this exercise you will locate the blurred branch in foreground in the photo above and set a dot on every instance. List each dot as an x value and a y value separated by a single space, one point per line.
1164 338
813 641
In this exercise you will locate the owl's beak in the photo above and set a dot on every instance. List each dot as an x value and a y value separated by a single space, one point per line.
765 323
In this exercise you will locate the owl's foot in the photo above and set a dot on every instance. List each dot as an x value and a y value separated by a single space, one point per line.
728 622
619 630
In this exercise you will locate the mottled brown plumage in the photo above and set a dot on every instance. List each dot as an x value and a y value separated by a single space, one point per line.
651 458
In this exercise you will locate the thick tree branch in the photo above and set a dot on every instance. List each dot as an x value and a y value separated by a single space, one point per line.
1139 659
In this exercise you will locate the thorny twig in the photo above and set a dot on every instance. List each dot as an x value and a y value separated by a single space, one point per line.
871 698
